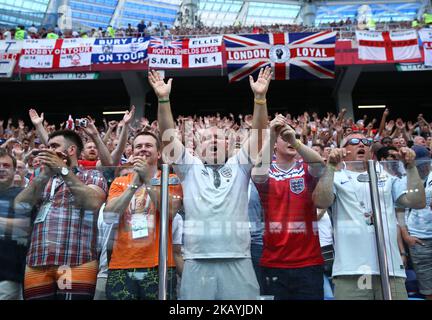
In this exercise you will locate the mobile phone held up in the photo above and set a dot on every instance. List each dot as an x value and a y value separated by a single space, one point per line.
81 123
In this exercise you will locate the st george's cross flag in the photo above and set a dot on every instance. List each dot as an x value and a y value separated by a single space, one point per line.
185 53
388 45
426 38
56 53
291 55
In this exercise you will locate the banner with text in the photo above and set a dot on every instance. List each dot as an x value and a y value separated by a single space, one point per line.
185 53
10 51
291 55
120 50
56 53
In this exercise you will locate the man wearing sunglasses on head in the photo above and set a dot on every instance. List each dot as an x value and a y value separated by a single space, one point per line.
345 187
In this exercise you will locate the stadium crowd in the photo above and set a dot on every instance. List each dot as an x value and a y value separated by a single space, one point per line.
345 29
80 204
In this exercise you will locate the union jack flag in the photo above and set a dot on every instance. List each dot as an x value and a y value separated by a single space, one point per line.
291 55
156 42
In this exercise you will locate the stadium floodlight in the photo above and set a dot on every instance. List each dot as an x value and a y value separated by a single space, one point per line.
114 112
373 107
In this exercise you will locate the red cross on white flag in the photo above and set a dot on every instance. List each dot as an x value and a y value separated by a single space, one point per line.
56 53
388 45
426 37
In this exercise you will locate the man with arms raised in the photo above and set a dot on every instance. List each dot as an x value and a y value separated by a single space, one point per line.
217 237
355 269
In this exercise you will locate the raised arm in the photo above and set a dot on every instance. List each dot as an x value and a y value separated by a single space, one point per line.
415 197
92 132
165 117
383 122
422 120
369 128
21 133
260 115
118 151
38 123
111 126
323 196
309 155
261 169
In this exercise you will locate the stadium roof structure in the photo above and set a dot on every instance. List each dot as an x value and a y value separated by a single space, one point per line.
212 13
267 12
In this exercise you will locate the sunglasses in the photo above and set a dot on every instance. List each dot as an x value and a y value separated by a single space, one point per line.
356 141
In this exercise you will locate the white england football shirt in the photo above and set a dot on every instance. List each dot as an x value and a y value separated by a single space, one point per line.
216 218
354 232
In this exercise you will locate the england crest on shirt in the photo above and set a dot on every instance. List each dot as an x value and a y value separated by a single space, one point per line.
297 185
226 172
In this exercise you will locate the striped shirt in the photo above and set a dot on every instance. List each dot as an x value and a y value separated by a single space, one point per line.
68 235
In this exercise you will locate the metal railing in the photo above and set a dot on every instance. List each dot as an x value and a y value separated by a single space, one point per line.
163 239
379 231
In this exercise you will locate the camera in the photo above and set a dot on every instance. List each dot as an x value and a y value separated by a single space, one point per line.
81 123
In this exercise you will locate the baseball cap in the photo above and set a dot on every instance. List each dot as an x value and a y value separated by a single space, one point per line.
422 153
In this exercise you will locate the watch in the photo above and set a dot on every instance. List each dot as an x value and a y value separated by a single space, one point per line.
64 171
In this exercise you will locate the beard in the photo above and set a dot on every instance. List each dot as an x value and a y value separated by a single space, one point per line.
91 157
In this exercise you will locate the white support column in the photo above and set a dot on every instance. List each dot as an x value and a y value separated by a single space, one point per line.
118 14
64 11
51 14
189 13
308 13
426 5
242 14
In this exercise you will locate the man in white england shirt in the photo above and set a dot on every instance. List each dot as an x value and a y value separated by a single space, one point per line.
356 270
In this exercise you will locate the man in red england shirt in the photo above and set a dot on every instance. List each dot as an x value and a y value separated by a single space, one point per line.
89 155
292 263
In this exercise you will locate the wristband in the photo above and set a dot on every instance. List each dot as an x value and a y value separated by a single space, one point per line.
260 101
164 101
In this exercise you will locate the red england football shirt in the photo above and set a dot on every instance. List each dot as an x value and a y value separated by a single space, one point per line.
291 237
